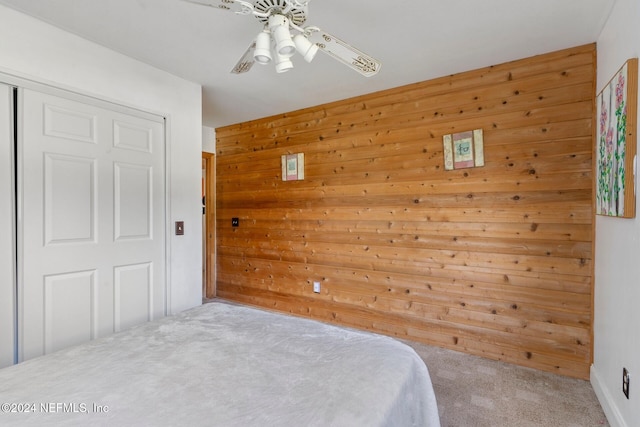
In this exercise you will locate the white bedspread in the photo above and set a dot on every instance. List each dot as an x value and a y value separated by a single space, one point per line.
224 365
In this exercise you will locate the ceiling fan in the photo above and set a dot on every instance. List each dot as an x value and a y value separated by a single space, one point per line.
276 43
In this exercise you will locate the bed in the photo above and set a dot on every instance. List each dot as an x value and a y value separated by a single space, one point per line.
222 364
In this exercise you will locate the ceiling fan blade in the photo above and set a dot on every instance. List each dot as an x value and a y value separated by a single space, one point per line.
238 6
246 62
343 52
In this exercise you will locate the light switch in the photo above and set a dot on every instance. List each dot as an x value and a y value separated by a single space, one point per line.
179 228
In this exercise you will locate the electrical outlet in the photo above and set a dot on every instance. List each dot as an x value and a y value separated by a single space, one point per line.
316 287
626 379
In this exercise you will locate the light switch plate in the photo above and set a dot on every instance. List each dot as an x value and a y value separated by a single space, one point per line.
179 228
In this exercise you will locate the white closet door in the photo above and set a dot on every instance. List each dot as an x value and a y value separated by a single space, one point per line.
7 230
92 244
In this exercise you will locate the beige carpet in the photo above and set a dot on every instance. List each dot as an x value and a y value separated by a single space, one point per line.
477 392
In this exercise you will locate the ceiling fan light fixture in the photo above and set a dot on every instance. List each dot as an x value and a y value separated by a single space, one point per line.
283 63
305 48
279 27
262 52
283 25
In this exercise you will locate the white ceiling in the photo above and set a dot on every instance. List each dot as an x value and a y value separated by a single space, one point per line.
415 40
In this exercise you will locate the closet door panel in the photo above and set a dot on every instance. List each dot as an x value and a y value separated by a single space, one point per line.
63 328
7 230
69 199
92 244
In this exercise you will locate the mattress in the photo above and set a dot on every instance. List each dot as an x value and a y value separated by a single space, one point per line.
223 364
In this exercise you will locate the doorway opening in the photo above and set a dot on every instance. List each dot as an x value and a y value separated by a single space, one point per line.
208 226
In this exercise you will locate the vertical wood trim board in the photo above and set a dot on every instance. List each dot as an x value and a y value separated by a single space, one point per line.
495 261
210 218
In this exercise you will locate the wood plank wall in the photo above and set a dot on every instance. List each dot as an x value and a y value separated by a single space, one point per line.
494 261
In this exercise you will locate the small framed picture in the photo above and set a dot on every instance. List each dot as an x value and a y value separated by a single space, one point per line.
293 167
463 150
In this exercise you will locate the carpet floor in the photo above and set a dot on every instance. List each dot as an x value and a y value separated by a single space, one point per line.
477 392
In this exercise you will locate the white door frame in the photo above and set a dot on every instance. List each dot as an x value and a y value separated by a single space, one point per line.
8 301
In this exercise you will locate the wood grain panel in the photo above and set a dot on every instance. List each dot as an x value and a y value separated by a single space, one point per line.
495 261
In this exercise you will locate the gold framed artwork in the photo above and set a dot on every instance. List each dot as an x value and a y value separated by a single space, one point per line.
616 114
463 150
293 167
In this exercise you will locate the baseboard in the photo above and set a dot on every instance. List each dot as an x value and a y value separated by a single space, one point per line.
606 400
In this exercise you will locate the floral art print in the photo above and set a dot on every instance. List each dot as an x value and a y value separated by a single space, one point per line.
612 153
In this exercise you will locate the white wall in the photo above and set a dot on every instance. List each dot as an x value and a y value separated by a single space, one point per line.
617 255
208 139
32 49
